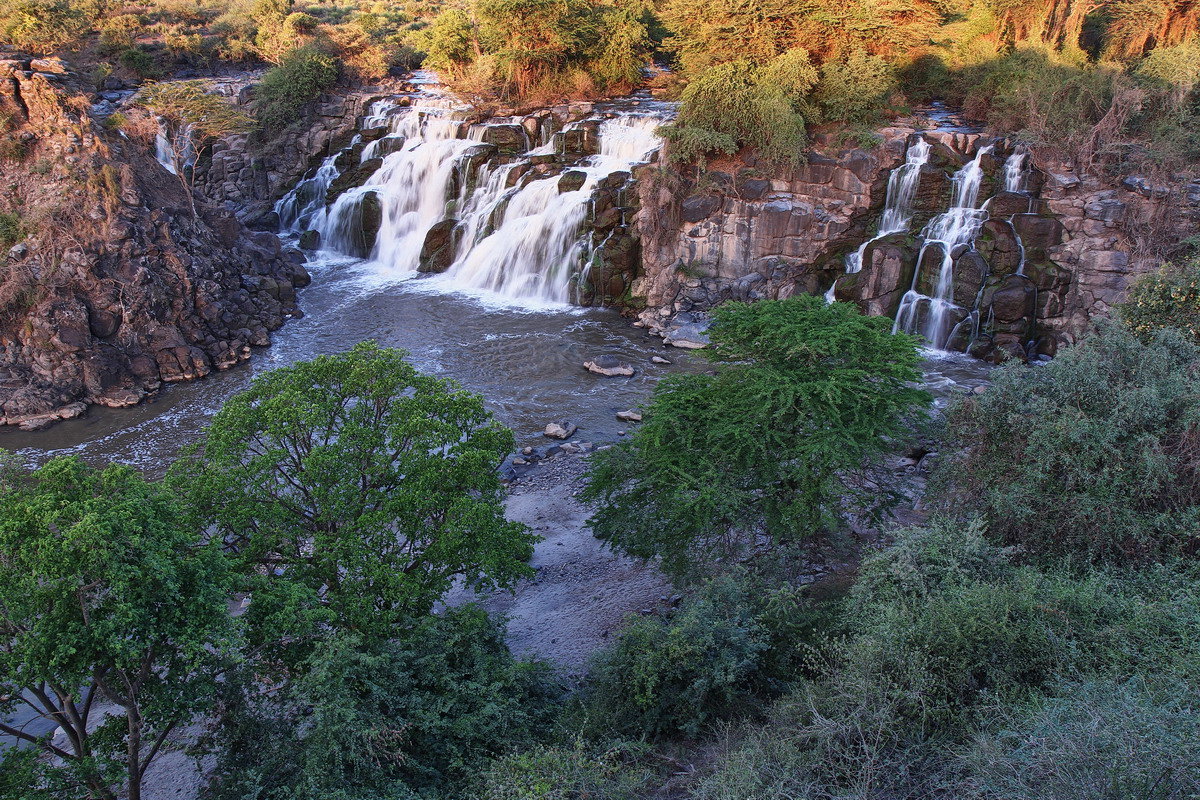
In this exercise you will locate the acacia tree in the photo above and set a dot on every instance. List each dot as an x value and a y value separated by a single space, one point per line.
804 395
112 614
356 491
194 118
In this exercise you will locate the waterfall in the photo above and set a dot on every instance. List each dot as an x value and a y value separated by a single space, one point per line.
518 223
1015 172
534 250
297 208
898 207
164 147
955 228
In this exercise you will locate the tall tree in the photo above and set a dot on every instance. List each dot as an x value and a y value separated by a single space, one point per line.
194 117
805 395
111 615
356 491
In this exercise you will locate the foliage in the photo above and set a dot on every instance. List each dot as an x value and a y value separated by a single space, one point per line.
947 640
140 62
804 395
11 229
43 26
854 88
568 773
301 75
413 716
1094 739
355 491
1168 299
105 596
677 675
738 104
1095 454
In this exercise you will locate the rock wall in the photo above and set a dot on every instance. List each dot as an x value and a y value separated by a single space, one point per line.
116 286
247 174
1049 259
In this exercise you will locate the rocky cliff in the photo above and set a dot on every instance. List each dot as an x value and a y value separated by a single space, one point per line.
1047 258
114 286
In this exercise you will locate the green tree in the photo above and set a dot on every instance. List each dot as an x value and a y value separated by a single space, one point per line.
1094 455
738 103
299 78
805 394
112 612
194 117
414 716
449 43
356 491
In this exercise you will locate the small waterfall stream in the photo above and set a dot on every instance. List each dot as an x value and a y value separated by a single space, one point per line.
955 228
898 206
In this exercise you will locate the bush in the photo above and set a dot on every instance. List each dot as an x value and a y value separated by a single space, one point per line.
739 103
732 645
285 89
568 773
1168 299
11 230
854 88
138 61
1095 455
1094 739
946 637
411 717
805 395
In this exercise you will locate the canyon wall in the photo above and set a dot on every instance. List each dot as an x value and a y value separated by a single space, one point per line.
1047 259
115 286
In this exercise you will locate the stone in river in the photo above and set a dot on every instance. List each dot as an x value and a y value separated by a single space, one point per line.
629 416
609 366
560 430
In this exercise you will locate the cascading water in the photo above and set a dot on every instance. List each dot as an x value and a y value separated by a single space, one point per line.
957 227
297 208
164 147
1016 180
898 208
518 229
534 251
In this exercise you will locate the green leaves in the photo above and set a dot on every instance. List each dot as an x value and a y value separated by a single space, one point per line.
356 490
804 394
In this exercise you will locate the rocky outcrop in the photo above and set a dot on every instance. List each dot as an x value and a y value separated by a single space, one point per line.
1050 257
117 287
247 174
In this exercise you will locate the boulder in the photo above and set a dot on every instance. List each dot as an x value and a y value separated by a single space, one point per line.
508 139
699 207
572 181
629 416
437 253
310 240
609 366
352 178
560 430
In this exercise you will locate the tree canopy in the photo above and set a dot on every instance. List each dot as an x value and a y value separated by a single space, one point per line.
112 611
804 394
355 490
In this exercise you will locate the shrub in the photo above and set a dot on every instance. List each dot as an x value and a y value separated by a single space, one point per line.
404 718
739 103
11 230
138 61
854 88
298 79
804 396
43 26
1093 739
1168 299
730 646
1094 455
568 773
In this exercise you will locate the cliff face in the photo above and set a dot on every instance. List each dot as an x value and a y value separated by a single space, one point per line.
1045 260
115 287
247 176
